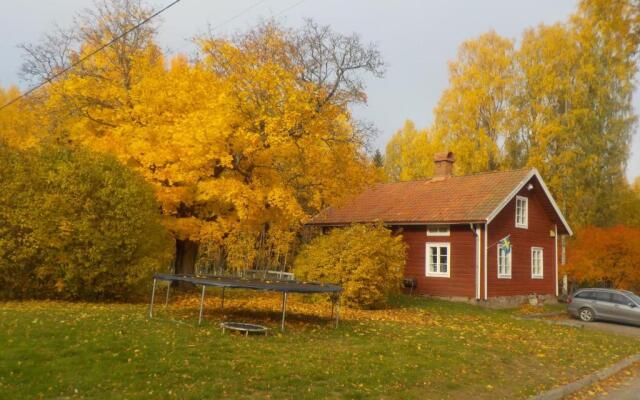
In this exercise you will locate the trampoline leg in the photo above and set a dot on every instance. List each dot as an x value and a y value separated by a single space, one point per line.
166 300
201 305
222 304
153 295
337 311
333 306
284 309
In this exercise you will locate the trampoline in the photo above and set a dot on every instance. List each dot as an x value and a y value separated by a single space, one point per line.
283 287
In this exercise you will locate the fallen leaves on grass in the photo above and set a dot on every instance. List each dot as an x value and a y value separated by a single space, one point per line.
528 309
425 347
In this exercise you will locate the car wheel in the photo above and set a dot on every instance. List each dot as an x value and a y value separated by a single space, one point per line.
586 314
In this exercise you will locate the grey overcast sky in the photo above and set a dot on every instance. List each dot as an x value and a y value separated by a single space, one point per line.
416 37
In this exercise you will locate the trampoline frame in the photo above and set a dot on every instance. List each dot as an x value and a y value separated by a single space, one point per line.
283 287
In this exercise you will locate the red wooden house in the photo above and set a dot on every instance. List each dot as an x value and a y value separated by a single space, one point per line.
489 236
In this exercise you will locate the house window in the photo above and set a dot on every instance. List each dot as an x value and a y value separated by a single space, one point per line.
438 230
522 212
438 259
504 260
537 263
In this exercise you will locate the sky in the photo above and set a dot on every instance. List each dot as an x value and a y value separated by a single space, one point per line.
416 38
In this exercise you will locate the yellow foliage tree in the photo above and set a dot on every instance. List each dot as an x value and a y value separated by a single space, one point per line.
473 116
20 124
409 154
561 102
546 132
241 145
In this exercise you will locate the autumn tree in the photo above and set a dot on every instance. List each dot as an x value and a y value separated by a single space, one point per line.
627 206
21 123
378 159
97 95
473 116
574 110
561 102
606 256
546 136
409 154
241 145
10 118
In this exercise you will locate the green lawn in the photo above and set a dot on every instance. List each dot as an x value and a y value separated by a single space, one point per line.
418 349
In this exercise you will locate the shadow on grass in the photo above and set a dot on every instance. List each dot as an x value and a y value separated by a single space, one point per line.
245 306
306 312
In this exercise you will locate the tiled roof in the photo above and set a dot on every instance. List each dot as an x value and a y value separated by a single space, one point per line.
470 198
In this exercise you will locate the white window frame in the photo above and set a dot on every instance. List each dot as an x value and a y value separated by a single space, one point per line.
438 230
535 275
427 261
508 257
525 223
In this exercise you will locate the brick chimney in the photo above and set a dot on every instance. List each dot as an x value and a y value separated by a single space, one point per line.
444 164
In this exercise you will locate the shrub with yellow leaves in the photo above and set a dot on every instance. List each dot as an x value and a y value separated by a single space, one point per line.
75 225
366 260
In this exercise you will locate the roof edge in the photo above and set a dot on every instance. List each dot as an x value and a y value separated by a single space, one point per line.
407 223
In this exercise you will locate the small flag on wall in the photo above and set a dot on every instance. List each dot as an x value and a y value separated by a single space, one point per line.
506 243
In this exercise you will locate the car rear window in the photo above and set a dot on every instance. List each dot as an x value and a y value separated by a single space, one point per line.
633 296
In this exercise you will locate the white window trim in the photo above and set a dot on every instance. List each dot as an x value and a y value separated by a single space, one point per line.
504 276
525 225
436 233
427 256
541 275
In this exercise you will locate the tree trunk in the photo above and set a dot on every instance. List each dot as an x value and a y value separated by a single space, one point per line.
186 254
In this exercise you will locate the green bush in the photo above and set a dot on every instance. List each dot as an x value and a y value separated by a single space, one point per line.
75 225
366 260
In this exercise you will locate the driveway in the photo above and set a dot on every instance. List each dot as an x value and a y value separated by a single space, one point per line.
627 330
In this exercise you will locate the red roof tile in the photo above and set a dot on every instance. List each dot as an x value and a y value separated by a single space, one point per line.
470 198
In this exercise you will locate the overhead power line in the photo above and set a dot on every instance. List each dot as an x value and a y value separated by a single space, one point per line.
115 39
251 7
291 7
238 15
91 54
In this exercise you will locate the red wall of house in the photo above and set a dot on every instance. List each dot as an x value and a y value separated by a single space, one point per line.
536 235
462 274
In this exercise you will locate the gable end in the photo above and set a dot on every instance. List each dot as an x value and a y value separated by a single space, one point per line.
533 173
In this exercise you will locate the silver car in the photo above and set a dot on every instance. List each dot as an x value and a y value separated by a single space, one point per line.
605 305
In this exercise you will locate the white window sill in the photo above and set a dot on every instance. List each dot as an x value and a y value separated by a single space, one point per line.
437 275
522 226
504 276
537 277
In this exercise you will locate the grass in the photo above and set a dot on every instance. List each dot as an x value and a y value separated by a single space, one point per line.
418 349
